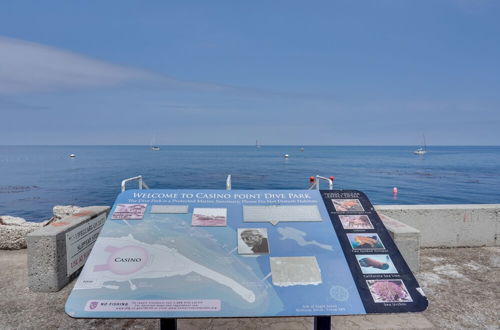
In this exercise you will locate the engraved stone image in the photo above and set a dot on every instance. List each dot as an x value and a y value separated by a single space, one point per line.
365 241
209 217
129 212
300 237
347 205
252 241
376 264
388 291
169 209
289 271
355 222
281 213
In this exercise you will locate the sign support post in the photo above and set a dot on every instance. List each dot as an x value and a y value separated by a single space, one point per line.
168 324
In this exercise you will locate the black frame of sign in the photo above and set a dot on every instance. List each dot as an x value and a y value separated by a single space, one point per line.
389 291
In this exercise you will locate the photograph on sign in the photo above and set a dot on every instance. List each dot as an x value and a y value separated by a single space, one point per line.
129 212
347 205
355 222
209 217
253 241
290 271
384 291
376 264
365 241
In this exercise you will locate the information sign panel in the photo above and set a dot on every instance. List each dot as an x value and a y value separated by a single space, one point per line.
243 253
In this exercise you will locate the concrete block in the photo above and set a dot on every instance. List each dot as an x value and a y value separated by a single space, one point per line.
407 240
460 225
57 251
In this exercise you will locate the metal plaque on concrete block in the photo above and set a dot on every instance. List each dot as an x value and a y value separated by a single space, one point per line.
79 242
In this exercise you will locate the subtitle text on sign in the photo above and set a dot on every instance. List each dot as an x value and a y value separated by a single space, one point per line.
195 305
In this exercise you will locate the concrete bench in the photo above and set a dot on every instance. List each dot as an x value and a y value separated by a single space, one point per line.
459 225
58 250
406 238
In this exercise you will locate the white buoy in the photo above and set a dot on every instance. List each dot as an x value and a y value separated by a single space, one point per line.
286 156
72 155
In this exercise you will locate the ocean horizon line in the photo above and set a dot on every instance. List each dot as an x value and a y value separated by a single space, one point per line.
247 145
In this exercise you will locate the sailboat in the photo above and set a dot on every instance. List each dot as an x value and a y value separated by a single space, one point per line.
257 145
422 150
154 146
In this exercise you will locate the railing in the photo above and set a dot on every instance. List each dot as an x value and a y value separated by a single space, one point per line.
142 184
314 183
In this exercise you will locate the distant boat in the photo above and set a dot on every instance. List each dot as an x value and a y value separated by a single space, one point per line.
257 145
421 150
154 146
72 156
302 149
286 156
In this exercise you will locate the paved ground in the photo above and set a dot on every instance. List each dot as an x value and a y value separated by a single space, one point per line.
462 284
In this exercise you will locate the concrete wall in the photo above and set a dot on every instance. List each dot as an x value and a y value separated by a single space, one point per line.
450 225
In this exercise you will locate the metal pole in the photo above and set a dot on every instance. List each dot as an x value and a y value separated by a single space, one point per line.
322 322
168 324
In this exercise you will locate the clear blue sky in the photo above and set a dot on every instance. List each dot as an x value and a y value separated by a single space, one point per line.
230 72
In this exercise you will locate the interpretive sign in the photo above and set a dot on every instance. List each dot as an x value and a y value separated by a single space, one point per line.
242 253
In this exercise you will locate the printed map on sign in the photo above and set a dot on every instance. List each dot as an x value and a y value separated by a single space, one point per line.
181 253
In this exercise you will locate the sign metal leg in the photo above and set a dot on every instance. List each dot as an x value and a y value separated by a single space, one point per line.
168 324
322 322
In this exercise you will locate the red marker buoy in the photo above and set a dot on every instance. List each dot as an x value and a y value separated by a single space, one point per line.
311 179
395 190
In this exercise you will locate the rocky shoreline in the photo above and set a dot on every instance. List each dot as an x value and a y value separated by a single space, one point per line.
13 230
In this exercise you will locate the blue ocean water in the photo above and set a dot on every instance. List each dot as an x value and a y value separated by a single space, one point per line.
35 178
